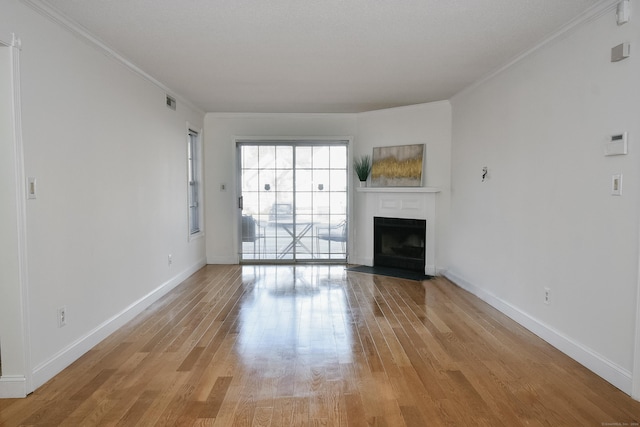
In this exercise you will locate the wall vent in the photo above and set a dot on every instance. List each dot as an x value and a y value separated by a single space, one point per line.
171 102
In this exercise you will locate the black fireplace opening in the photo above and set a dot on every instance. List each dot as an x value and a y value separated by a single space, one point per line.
399 243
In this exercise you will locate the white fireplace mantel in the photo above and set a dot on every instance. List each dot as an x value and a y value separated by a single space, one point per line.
397 202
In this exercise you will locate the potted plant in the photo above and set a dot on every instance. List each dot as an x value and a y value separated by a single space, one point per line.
362 167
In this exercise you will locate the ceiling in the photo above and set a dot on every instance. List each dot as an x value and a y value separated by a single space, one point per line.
320 56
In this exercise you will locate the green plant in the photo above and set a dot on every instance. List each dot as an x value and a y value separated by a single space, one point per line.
362 167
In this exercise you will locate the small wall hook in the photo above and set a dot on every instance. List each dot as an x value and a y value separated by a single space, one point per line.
485 171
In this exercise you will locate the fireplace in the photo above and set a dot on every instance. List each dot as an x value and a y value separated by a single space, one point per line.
399 243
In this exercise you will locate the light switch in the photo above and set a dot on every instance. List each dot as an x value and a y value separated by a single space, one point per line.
616 185
31 188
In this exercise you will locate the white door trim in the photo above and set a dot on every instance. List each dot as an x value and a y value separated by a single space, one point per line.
19 385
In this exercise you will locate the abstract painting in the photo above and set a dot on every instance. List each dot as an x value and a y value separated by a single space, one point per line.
397 166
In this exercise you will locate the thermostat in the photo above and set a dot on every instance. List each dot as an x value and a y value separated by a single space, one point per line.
617 145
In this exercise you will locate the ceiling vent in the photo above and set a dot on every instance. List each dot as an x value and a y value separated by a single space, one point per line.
171 103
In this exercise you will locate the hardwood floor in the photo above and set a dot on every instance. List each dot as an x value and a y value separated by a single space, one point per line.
316 345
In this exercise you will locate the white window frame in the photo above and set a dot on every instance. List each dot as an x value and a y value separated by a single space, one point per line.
194 182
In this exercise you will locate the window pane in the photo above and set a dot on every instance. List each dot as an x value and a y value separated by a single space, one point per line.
304 180
266 199
338 205
284 180
321 206
338 180
338 157
267 157
304 157
321 157
304 206
250 181
285 198
250 203
250 157
193 177
284 157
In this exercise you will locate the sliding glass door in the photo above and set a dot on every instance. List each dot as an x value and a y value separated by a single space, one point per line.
293 201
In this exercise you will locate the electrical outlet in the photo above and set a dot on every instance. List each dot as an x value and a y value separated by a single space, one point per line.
547 296
62 316
169 259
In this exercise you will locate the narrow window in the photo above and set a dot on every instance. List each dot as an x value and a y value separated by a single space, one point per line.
194 184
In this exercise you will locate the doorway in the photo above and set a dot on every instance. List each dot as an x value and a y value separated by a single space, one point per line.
293 201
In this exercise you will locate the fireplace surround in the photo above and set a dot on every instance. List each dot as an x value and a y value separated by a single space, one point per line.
399 243
389 202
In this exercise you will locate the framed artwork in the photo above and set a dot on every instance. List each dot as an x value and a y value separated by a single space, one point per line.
397 166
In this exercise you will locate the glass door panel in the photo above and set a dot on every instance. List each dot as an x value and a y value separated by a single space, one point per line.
294 201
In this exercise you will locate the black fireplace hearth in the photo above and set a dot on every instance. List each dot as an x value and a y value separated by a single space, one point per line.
399 243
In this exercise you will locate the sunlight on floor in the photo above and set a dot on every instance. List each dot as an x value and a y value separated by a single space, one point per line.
295 311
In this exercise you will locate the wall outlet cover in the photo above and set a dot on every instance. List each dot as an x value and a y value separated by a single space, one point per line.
62 316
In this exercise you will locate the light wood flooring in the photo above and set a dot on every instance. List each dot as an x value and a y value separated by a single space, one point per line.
319 346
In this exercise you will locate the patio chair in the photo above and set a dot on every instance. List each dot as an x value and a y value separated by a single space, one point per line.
252 232
332 233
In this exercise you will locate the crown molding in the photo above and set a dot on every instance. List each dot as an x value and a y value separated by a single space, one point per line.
47 10
594 12
10 40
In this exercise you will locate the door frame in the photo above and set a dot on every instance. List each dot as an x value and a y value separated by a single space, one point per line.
635 374
267 140
18 382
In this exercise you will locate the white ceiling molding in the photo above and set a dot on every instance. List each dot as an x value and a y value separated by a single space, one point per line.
5 39
590 14
52 14
10 40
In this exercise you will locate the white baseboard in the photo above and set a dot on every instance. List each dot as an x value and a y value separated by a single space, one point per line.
51 367
597 363
233 259
13 386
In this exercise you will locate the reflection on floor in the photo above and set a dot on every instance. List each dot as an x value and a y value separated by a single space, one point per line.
295 312
318 345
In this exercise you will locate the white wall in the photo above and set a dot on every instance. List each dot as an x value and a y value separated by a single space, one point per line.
221 130
545 216
110 162
428 124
